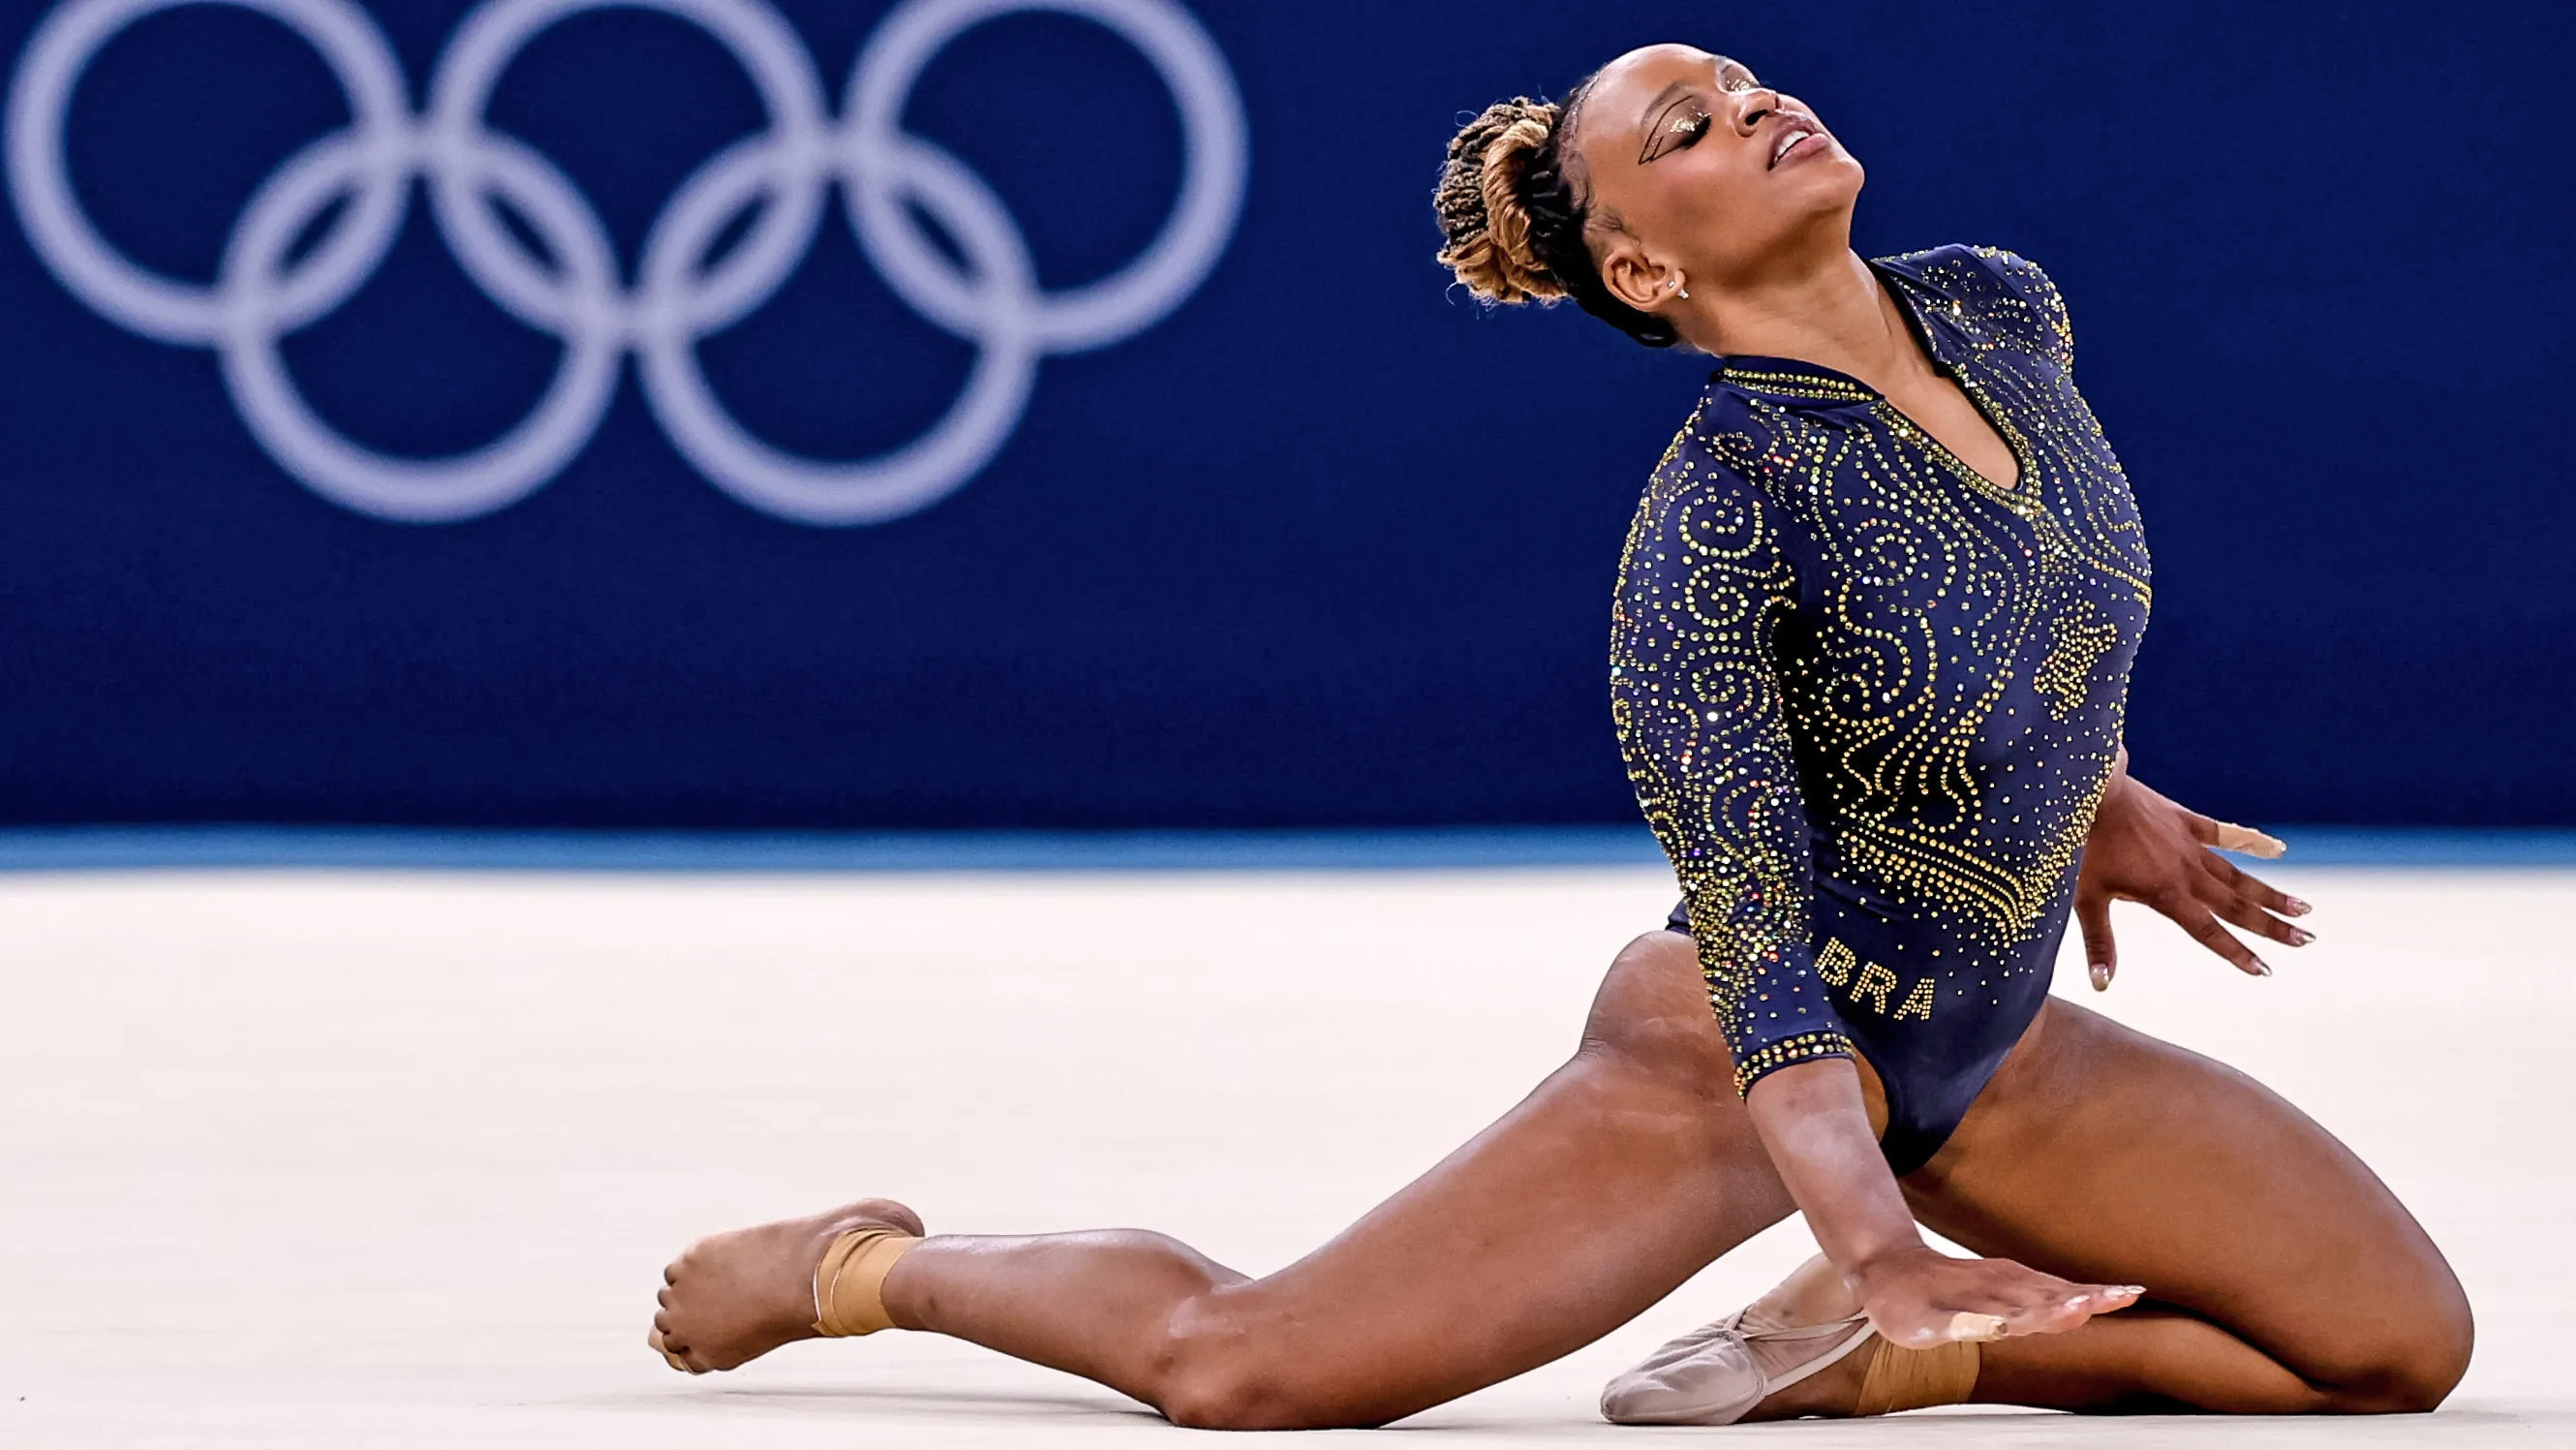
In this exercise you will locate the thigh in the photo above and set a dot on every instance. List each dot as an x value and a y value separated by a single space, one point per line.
1624 1173
2104 1155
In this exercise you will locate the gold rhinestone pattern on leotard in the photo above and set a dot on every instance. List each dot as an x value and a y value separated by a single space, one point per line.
1837 647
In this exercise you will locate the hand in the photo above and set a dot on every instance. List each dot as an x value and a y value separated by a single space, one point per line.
1918 1297
1814 1126
2144 848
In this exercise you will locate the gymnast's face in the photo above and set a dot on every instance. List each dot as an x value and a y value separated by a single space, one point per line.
1700 175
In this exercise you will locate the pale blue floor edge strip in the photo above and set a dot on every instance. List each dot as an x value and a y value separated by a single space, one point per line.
123 848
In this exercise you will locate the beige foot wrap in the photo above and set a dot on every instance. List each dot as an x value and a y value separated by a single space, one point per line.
1918 1379
849 1285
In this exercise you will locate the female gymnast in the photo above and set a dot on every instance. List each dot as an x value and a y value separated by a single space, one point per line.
1871 649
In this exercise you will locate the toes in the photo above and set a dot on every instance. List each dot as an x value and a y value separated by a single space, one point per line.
663 1298
670 1356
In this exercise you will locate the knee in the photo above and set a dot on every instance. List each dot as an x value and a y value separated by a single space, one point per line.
2417 1372
2417 1361
1217 1372
1212 1394
1652 1016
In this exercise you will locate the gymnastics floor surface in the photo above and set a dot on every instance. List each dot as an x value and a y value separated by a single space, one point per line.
393 1158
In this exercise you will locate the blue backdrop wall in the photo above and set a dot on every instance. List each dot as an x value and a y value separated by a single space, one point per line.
1286 533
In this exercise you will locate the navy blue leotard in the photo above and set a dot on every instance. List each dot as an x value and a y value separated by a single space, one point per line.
1870 700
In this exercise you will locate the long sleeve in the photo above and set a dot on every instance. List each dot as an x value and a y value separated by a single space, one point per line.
2031 312
1703 589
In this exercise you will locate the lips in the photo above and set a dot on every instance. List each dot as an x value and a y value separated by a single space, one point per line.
1792 135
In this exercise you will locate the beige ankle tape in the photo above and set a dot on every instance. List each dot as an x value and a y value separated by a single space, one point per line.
1917 1379
849 1285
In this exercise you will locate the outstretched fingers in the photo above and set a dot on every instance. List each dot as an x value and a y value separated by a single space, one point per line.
2191 912
2042 1304
2225 893
1935 1299
2250 888
2254 905
2246 916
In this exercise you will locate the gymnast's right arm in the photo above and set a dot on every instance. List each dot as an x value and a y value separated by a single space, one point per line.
1695 690
1702 591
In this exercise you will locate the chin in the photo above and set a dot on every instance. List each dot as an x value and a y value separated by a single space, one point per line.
1842 171
1833 187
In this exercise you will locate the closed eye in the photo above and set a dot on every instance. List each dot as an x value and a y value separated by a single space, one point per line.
1680 129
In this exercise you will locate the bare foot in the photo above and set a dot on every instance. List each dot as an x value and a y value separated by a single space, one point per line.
735 1297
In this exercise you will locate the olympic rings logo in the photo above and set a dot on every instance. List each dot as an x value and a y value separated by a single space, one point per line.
989 295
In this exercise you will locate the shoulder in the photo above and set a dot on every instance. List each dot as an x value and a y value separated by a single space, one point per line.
1719 451
1999 292
1972 275
1708 494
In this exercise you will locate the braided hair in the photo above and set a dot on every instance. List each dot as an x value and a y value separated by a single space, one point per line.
1515 217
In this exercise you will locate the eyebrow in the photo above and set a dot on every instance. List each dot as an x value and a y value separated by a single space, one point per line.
1663 101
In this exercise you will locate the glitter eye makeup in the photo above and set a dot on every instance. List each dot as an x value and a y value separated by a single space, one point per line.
1688 124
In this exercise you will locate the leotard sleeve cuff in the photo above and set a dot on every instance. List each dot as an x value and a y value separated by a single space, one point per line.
1789 1052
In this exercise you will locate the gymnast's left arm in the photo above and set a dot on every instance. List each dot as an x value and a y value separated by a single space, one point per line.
2145 848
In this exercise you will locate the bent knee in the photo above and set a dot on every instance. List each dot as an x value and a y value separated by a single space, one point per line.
2414 1375
1219 1371
1652 1015
1217 1397
2409 1348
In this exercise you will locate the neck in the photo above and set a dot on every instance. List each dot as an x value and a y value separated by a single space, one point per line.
1831 312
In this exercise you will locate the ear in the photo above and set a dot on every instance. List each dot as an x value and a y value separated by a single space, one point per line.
1637 279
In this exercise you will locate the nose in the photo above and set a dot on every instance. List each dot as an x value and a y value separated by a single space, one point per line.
1751 106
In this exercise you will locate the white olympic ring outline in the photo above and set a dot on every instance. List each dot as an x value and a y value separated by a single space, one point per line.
262 293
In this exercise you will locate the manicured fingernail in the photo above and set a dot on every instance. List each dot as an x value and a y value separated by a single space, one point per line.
2300 938
2101 977
2299 908
2262 968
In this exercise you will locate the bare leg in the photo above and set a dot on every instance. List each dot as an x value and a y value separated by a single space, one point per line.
2283 1276
1627 1171
2286 1278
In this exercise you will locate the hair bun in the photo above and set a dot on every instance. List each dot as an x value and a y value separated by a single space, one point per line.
1484 214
